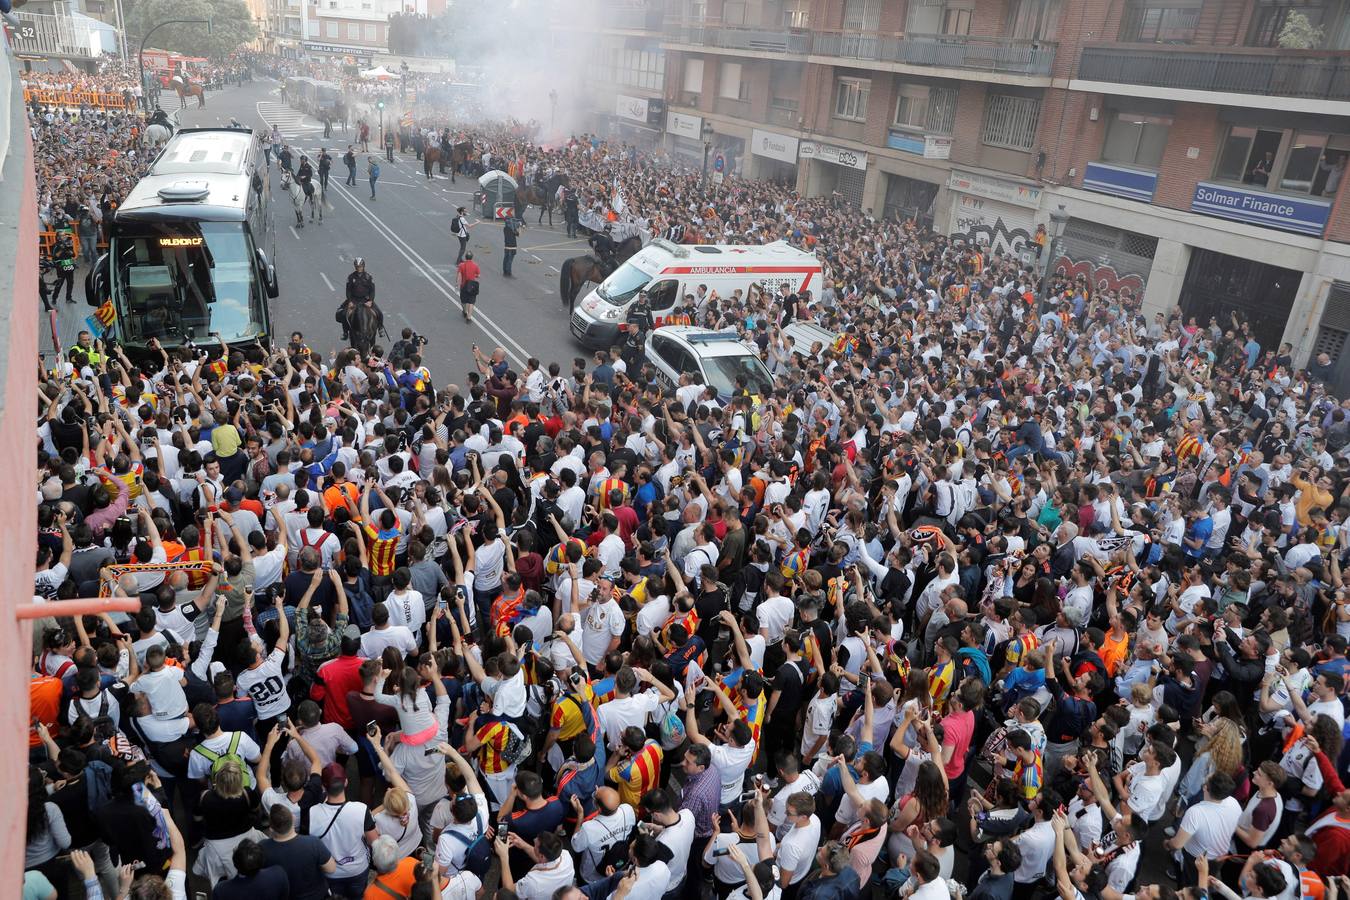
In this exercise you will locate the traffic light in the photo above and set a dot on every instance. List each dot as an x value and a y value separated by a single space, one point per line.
379 104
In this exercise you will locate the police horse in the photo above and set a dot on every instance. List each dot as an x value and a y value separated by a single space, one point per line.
579 270
310 194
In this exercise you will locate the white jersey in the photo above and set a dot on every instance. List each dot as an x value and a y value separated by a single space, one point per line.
266 686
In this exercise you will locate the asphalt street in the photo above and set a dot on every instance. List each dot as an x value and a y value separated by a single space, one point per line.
404 236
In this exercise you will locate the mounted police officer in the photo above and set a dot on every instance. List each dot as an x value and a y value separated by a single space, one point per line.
360 289
602 242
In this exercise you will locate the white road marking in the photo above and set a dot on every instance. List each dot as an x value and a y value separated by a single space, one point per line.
428 271
554 269
294 232
324 276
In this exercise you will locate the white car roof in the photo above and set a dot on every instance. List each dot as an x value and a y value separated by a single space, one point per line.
706 342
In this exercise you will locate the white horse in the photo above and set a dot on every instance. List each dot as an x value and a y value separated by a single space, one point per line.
314 200
156 135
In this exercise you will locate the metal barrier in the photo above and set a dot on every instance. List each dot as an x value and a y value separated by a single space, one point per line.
56 97
47 242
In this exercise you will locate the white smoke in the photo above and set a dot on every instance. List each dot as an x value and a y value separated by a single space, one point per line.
532 57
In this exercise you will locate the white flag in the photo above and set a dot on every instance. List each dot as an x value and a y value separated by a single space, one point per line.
617 201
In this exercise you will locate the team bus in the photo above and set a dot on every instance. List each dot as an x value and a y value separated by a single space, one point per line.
186 260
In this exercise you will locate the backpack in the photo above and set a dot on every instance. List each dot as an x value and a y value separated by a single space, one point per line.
477 853
98 784
231 754
517 745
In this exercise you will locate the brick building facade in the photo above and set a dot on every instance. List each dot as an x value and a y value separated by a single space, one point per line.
1197 160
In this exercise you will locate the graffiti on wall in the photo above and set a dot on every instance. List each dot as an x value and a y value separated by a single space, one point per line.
976 221
1103 277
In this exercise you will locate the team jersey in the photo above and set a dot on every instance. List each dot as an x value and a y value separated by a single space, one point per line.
493 738
639 774
1028 778
383 550
573 714
940 684
266 686
1020 646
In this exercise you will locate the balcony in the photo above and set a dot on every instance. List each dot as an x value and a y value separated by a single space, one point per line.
40 35
629 18
733 37
1307 75
783 115
1003 55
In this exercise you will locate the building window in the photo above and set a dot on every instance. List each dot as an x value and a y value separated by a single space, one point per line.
330 29
797 14
693 75
733 12
1010 121
1302 163
371 33
924 108
1248 155
1160 21
731 86
862 15
353 31
850 98
1133 139
1034 20
956 20
638 68
1271 15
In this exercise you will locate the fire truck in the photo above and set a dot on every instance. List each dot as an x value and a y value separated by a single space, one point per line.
164 64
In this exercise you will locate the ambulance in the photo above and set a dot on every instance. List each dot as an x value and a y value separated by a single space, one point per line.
667 272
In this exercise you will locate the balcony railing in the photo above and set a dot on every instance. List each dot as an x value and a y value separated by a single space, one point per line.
41 35
632 18
782 115
730 37
1273 73
940 50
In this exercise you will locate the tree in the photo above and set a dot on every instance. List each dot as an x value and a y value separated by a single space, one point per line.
231 26
1299 33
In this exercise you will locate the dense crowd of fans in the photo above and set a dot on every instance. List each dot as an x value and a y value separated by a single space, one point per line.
986 596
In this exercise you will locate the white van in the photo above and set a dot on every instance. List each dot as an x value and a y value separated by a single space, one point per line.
668 271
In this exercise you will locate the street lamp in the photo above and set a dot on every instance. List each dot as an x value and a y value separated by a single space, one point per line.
706 132
140 53
1058 219
379 104
553 109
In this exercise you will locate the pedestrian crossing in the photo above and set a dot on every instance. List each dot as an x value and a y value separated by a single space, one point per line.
289 121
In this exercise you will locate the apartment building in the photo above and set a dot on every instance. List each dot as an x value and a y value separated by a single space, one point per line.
337 29
1196 147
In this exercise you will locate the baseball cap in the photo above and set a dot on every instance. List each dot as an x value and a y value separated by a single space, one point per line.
333 773
351 633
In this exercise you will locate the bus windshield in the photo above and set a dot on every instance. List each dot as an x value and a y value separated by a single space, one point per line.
623 284
185 280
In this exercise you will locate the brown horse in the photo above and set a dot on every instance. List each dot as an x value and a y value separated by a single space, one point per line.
430 157
579 270
188 90
460 155
576 272
542 195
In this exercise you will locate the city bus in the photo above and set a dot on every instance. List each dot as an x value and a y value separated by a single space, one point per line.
186 259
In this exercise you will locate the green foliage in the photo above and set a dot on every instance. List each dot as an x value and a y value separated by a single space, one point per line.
1299 33
231 26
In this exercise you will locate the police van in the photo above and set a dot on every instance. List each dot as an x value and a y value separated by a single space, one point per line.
667 272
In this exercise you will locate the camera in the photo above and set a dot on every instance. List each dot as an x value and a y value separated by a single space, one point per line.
418 340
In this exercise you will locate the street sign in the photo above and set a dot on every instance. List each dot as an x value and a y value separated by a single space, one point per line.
719 163
503 212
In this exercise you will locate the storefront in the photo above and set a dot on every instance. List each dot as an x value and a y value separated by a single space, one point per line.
684 137
995 212
1217 285
910 198
632 120
834 170
775 157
